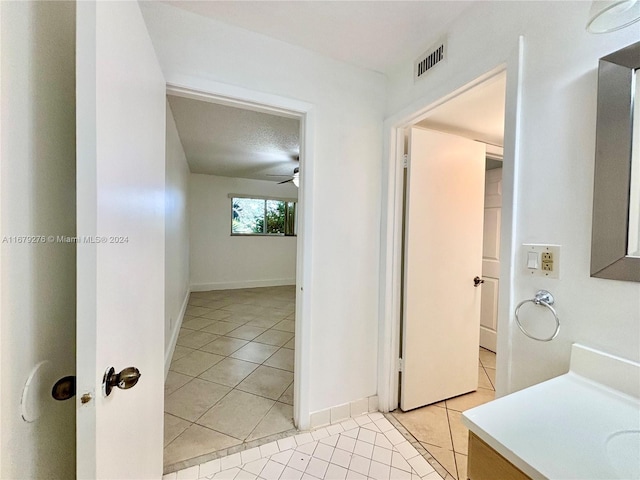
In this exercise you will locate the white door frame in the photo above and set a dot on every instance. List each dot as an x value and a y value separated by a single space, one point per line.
231 95
392 220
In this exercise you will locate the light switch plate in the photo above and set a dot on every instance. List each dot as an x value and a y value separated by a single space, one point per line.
548 261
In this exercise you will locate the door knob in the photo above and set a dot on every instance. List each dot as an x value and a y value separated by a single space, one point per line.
124 380
477 281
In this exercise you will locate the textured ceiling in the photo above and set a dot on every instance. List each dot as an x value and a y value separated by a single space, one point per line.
231 142
375 34
477 113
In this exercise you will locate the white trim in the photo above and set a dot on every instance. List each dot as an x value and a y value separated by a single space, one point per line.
169 349
340 413
273 282
212 91
391 234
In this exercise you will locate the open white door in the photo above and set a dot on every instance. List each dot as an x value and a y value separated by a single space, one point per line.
443 254
120 224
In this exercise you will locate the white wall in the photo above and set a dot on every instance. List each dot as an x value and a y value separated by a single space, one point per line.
38 198
348 112
176 231
219 260
555 179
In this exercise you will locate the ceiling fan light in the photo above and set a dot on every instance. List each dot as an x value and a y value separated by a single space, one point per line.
610 15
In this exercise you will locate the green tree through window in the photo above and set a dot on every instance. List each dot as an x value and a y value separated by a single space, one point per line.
259 216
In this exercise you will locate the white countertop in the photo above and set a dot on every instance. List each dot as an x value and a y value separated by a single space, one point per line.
559 429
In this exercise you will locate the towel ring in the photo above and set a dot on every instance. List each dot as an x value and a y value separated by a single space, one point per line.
545 299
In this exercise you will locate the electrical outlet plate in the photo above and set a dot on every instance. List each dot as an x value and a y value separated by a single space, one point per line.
548 264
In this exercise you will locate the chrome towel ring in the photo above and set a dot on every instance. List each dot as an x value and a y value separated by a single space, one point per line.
545 299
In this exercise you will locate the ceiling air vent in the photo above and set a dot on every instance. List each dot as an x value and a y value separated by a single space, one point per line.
429 59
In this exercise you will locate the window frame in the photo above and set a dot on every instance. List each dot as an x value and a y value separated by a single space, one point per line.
265 199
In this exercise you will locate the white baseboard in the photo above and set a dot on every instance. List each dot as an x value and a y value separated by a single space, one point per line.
274 282
345 411
168 354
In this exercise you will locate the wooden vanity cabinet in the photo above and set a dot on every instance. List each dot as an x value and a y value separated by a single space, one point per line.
484 463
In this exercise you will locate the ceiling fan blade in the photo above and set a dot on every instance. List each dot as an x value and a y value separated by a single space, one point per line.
286 181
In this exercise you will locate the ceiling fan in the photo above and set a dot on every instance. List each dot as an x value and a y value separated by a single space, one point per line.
294 178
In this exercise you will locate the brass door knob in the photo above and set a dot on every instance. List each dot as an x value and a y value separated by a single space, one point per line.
124 380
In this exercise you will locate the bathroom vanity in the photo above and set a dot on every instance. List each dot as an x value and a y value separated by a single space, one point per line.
582 425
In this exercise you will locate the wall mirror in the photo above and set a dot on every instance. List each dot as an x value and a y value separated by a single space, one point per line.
615 241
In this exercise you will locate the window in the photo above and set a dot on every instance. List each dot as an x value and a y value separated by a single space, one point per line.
262 216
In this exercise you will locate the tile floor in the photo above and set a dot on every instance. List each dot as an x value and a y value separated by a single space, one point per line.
439 427
367 447
230 382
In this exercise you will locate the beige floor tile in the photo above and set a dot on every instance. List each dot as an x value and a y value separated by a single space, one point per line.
173 426
245 332
243 308
197 301
237 414
286 326
195 311
196 441
274 337
196 339
278 419
428 424
217 315
461 463
287 396
459 433
254 352
194 399
196 323
229 372
220 328
487 358
470 400
274 313
174 381
239 318
444 457
195 363
268 301
216 304
290 344
262 322
224 346
267 382
282 359
483 379
180 352
184 332
491 373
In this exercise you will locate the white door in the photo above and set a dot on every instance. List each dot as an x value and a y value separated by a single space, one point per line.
120 105
443 254
491 259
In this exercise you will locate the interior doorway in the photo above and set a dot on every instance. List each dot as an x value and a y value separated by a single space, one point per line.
444 294
462 373
231 380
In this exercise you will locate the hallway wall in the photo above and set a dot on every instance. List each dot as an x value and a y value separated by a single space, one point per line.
38 198
176 230
220 261
348 110
557 137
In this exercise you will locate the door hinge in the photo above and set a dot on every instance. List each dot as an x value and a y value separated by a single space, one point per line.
400 365
405 160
